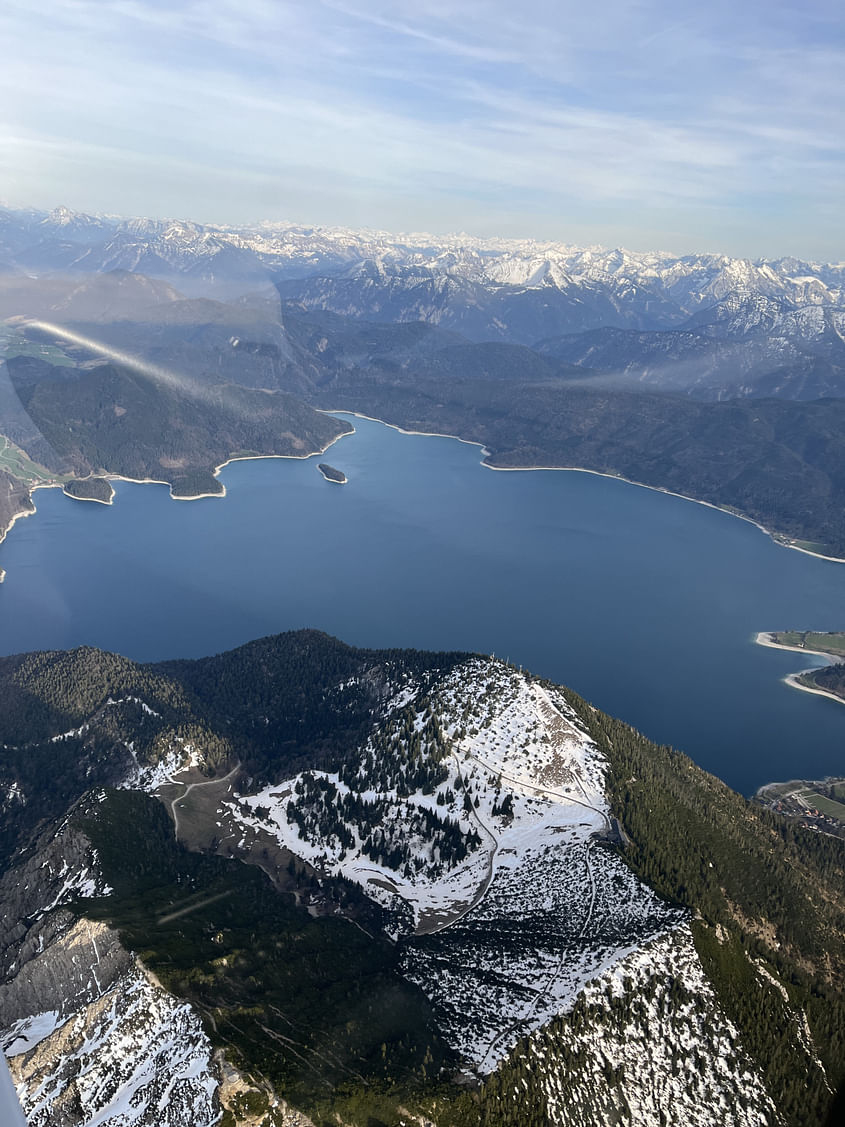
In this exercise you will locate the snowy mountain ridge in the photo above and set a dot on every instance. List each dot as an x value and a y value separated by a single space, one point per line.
533 792
290 250
769 327
522 772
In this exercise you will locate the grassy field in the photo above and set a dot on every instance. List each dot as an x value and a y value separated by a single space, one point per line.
17 345
808 546
15 462
826 805
831 643
810 794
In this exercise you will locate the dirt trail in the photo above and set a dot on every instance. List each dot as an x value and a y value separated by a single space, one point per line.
193 786
559 729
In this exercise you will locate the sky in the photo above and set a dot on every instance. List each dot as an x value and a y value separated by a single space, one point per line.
644 123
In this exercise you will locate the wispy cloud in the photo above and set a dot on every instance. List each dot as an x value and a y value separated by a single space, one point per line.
726 120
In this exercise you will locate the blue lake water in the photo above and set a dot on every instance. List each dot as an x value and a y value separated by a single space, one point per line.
645 603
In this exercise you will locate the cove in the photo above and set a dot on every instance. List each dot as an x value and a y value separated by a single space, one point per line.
643 602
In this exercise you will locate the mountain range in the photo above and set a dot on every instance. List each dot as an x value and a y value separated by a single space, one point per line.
725 327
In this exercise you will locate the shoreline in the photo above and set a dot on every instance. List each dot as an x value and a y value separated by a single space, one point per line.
295 457
417 433
791 679
4 532
255 458
800 783
775 537
764 638
95 500
158 481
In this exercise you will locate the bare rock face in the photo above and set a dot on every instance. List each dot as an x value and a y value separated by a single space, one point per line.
56 869
134 1056
81 964
90 1036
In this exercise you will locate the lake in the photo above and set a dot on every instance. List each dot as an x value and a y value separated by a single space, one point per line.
644 603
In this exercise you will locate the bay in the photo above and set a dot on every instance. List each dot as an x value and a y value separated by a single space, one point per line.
645 603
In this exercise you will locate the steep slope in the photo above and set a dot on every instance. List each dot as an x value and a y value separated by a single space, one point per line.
153 424
647 1043
90 1034
129 1052
797 358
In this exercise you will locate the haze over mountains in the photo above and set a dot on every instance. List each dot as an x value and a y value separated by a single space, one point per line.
705 325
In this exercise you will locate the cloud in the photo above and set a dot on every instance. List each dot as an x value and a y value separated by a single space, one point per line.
478 110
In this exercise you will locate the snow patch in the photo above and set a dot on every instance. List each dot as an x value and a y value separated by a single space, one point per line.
182 756
25 1034
650 1044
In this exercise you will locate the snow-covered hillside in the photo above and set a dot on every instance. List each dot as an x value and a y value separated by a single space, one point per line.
470 805
92 1039
648 1044
134 1056
506 935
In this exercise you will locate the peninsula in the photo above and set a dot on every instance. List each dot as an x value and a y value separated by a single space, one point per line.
143 429
828 680
90 489
831 643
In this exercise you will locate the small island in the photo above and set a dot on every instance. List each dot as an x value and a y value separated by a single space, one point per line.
90 489
331 474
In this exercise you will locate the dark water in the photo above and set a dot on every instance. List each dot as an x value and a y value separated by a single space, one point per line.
644 603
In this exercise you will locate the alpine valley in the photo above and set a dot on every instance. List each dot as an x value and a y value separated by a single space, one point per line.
303 884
